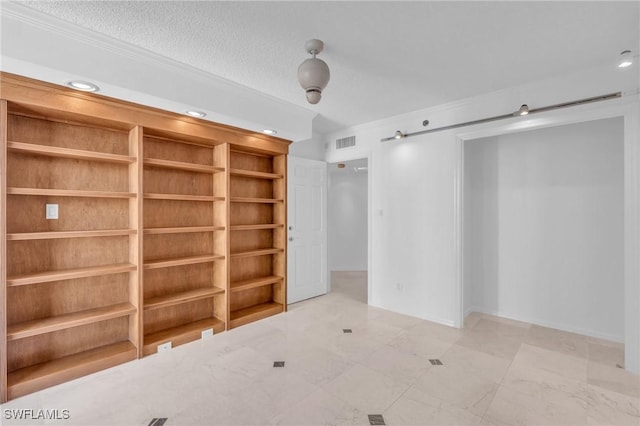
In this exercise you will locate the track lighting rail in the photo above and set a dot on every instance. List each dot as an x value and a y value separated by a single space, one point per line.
524 110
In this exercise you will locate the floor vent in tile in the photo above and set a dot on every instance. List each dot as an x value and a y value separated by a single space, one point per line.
158 422
376 419
435 362
278 363
347 330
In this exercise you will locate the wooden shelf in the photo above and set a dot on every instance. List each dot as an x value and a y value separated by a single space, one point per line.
54 151
184 297
48 325
179 261
69 193
253 283
259 252
254 227
254 313
68 274
33 378
183 229
181 334
255 200
254 174
20 236
178 165
182 197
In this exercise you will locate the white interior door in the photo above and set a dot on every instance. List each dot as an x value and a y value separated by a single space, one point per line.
307 232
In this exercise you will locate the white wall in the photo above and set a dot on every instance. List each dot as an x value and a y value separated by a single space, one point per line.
348 221
415 235
543 228
311 149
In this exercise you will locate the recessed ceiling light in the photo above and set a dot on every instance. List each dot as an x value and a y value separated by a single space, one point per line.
84 86
270 132
197 114
626 59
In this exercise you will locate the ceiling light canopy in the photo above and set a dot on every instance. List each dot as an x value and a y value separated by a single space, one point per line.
84 86
313 73
626 59
197 114
270 132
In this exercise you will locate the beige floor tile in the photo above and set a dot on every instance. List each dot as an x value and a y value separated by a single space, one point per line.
491 344
511 407
365 389
415 407
321 408
552 361
475 362
610 408
557 340
458 387
396 364
614 379
546 386
423 346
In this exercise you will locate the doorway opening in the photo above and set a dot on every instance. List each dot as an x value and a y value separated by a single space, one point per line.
348 228
543 228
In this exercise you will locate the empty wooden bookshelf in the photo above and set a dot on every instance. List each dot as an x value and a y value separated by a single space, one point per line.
167 227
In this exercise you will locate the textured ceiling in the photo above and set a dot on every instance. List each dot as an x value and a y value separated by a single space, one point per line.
386 58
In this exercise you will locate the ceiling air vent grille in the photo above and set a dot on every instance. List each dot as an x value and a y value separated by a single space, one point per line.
345 142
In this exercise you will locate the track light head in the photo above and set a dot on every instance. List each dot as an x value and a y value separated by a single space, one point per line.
398 135
523 110
626 59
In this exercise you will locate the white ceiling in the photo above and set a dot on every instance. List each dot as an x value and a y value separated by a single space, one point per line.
386 58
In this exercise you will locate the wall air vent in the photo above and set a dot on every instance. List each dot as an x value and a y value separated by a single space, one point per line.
345 142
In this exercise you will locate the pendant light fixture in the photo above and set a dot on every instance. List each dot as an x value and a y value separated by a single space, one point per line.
313 73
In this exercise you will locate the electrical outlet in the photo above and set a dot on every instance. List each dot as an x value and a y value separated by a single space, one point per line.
51 211
207 333
164 347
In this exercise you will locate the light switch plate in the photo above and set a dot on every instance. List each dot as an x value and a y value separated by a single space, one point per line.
51 211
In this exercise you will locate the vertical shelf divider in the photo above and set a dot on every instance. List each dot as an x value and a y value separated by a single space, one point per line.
221 185
136 283
3 251
280 234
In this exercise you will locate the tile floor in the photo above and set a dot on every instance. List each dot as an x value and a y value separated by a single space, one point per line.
494 372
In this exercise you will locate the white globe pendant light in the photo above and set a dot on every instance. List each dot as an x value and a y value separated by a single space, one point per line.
313 73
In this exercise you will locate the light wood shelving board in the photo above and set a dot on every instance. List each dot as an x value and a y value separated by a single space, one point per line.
177 298
76 154
69 234
48 325
30 379
254 313
68 274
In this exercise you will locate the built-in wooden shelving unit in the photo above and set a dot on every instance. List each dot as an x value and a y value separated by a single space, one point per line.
257 286
168 227
71 283
185 262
